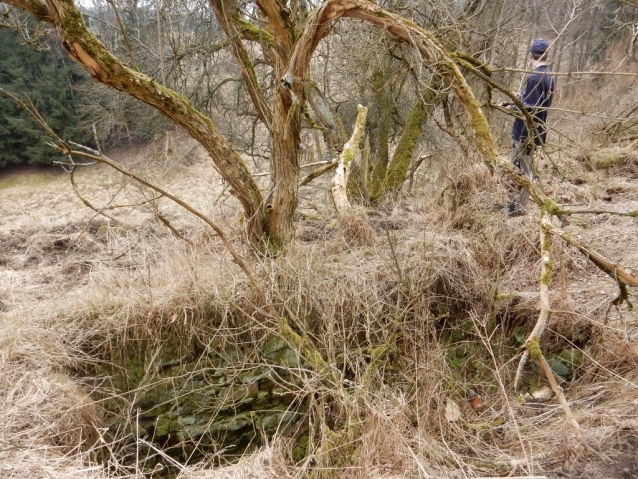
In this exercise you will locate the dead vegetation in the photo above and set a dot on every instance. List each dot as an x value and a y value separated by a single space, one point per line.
424 304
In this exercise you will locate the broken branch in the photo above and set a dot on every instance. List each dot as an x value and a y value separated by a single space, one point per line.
340 180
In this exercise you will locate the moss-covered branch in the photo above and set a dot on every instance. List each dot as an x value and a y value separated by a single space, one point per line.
604 264
251 31
340 180
87 50
318 172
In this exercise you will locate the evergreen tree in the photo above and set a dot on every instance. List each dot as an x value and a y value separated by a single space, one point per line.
43 76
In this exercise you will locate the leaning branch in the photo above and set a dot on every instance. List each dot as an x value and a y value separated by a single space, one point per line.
547 265
318 172
124 34
340 180
87 50
622 278
605 265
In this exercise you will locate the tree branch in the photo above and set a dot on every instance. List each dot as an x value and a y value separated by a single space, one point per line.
318 172
435 55
228 17
106 68
538 355
604 264
547 265
124 34
350 149
279 25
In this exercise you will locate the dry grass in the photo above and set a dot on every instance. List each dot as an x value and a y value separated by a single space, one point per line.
430 280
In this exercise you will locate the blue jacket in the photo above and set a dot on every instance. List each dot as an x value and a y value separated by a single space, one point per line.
537 97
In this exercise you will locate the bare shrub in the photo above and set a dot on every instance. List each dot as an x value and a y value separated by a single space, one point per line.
356 229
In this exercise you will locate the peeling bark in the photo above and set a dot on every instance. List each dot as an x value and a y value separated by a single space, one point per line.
340 180
286 141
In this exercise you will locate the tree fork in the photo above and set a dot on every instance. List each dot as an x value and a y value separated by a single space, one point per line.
299 339
436 55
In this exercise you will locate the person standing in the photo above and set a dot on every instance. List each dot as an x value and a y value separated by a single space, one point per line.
537 98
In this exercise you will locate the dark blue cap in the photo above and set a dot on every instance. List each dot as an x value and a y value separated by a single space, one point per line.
539 46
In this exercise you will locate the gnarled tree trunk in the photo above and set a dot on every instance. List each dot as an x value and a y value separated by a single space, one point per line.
286 140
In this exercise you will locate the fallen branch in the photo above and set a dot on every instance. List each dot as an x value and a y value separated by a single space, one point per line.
606 265
622 278
547 265
536 353
633 214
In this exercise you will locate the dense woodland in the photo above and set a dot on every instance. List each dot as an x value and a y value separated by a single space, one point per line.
47 78
284 249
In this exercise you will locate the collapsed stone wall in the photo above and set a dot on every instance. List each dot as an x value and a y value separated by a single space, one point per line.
202 400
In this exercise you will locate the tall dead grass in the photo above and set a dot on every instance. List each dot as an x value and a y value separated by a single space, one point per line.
401 313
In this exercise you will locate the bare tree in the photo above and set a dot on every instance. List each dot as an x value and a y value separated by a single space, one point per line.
287 44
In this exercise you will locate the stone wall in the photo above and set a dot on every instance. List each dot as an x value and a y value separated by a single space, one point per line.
203 399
